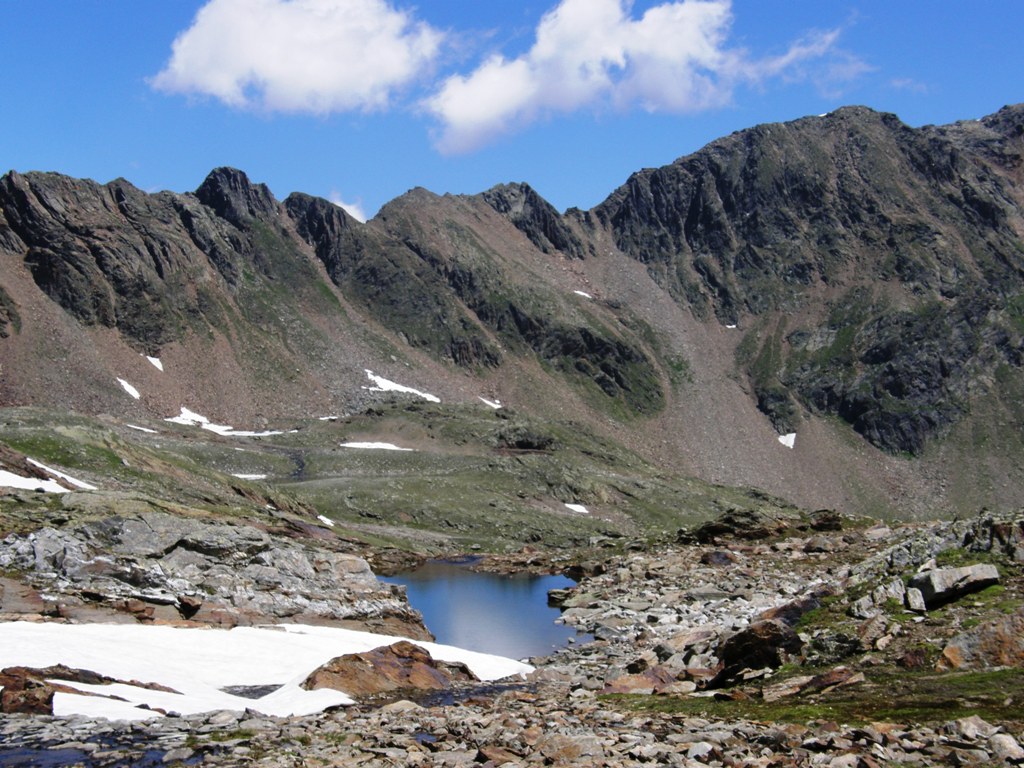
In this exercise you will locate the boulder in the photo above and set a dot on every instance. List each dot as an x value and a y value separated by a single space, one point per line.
1006 748
652 680
495 755
790 613
557 597
943 585
31 700
748 524
761 645
402 666
826 520
718 557
996 643
915 600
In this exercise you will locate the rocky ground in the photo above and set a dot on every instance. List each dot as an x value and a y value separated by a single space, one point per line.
750 641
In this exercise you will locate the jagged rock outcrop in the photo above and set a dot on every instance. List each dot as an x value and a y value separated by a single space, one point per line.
535 217
155 564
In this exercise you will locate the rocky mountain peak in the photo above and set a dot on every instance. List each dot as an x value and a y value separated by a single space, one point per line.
869 273
233 197
535 217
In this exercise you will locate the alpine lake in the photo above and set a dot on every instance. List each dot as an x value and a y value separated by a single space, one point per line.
502 614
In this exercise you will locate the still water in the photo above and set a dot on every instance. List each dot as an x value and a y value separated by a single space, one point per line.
492 613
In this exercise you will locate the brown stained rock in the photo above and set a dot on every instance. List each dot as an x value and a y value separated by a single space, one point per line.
495 755
719 557
762 644
23 678
826 520
840 676
19 598
996 643
749 524
560 749
651 680
401 666
33 700
189 605
913 659
790 613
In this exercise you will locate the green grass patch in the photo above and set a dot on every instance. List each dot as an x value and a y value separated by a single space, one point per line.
888 695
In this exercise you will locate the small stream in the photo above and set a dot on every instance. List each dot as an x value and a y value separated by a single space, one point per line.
507 615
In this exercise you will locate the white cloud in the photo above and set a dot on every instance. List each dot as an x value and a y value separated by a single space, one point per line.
908 84
355 210
594 54
317 56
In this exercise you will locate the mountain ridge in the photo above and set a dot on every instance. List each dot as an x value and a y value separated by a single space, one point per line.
874 273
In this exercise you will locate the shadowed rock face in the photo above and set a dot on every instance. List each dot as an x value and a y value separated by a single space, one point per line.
535 217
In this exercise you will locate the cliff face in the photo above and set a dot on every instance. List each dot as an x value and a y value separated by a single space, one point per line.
874 274
879 266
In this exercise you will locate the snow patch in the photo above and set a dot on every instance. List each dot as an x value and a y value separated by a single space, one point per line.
584 294
68 704
67 478
495 404
375 446
192 419
156 362
248 477
11 480
578 508
129 388
788 440
199 662
730 327
384 385
325 520
142 429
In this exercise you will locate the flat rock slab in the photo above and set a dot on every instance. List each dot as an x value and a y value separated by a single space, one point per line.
943 585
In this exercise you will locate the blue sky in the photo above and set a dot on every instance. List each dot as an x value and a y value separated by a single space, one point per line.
361 100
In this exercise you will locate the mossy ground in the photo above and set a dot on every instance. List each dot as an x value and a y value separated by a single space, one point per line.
890 694
476 480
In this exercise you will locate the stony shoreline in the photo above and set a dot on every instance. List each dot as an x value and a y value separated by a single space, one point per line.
666 624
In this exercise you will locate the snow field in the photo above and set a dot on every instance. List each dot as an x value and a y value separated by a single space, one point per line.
199 662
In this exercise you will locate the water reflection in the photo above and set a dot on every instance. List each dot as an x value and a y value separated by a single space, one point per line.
492 613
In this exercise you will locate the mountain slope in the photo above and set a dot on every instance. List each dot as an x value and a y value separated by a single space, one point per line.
875 262
846 278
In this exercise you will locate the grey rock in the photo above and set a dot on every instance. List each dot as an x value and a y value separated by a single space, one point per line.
1006 748
915 600
946 584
